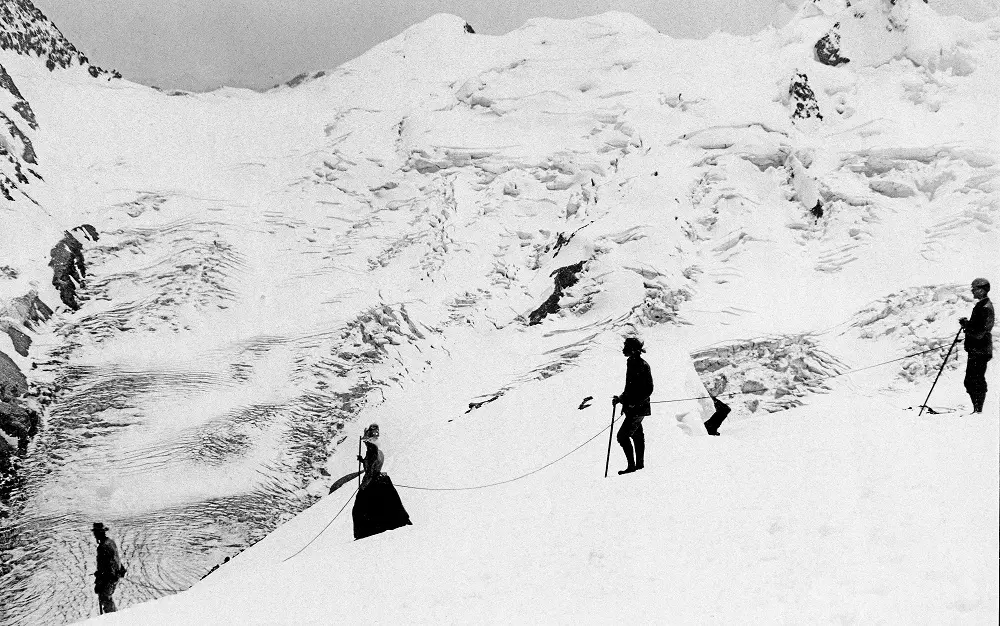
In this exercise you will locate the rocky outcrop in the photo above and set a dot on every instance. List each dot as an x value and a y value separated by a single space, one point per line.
17 154
828 48
12 381
20 405
565 277
19 422
28 309
802 99
68 266
25 30
20 104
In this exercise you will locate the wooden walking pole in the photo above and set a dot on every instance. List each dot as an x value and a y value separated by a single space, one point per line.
607 463
924 405
359 463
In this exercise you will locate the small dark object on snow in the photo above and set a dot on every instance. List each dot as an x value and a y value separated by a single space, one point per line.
817 211
722 411
215 567
469 29
585 403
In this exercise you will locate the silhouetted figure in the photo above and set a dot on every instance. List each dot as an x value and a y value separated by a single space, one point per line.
635 404
109 569
377 507
722 411
978 343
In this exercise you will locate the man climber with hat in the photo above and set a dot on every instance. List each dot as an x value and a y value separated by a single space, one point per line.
978 343
109 569
635 404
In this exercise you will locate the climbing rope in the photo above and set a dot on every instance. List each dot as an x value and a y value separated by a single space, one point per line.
736 393
595 436
325 527
510 480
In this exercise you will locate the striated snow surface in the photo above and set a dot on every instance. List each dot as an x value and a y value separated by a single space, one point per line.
277 270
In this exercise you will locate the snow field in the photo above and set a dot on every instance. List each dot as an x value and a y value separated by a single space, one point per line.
278 270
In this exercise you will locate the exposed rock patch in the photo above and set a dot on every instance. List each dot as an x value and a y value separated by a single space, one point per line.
25 30
20 416
802 98
20 104
564 277
68 266
828 48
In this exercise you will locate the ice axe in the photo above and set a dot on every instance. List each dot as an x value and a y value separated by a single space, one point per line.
611 432
952 347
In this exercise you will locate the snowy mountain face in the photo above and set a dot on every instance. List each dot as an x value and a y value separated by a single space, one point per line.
450 236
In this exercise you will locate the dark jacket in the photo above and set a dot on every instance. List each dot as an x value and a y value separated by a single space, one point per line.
978 338
374 458
109 566
638 387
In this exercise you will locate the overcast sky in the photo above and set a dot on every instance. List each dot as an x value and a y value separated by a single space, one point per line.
203 44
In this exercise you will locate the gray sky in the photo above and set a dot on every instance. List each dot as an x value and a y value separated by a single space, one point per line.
203 44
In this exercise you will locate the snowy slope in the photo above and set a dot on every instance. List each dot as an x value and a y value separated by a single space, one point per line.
277 270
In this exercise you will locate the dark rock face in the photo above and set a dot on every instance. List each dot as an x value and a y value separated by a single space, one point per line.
802 98
17 154
20 416
12 380
28 309
828 48
565 277
68 267
25 30
18 421
20 340
20 104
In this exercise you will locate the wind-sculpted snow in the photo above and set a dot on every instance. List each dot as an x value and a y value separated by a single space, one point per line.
767 375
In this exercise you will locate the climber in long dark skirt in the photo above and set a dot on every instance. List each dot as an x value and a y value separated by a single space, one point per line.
377 507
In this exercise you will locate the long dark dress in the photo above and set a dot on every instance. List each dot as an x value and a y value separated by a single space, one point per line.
377 507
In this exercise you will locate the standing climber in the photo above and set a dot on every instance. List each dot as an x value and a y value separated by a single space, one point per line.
377 507
635 404
978 343
109 569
